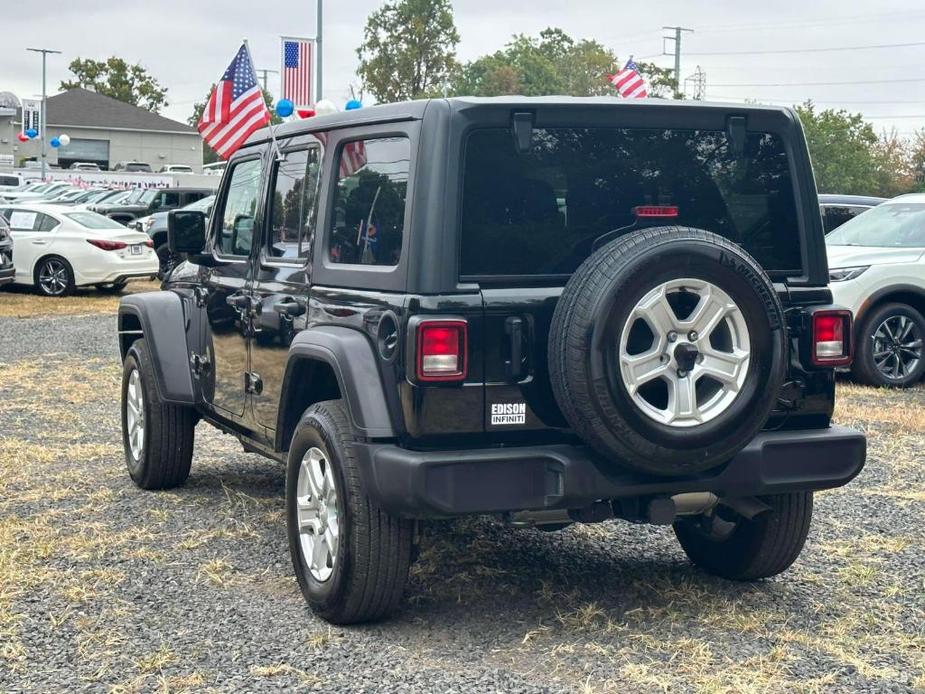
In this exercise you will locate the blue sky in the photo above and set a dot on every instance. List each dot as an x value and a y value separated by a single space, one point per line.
187 48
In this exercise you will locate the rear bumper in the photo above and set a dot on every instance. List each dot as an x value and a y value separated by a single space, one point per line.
437 484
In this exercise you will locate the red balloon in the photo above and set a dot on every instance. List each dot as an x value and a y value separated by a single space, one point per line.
306 112
23 137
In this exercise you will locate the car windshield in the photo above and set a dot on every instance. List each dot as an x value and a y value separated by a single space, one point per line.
203 205
148 196
134 196
137 167
92 220
895 225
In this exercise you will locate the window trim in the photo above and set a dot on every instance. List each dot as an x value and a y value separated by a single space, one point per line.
301 262
334 178
222 196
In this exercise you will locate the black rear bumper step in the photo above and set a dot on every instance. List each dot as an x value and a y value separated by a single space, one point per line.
438 484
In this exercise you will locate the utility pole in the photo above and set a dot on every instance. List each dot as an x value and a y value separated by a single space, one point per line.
263 72
677 53
43 116
699 81
319 59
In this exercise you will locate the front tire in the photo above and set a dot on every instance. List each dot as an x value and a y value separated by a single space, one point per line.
350 557
157 437
54 276
739 549
890 348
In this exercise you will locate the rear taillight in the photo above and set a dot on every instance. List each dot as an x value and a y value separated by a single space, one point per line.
663 211
106 245
831 338
442 350
149 243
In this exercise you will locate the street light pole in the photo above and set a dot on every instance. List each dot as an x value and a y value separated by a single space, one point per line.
320 57
43 116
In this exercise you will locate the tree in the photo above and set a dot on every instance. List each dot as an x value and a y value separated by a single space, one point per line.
117 79
208 154
552 63
408 50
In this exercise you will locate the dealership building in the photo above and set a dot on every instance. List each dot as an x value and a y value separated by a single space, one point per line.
105 131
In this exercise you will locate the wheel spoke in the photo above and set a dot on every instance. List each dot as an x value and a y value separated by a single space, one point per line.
725 367
320 554
682 396
707 315
642 368
657 312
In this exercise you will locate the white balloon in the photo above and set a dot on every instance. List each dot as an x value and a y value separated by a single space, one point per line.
324 107
64 139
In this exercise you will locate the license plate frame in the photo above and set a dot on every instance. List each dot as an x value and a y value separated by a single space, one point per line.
137 249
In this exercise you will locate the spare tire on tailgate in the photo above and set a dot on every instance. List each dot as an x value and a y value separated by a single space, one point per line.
667 350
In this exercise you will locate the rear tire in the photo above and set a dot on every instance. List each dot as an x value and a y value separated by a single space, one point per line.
749 549
112 288
157 437
875 346
363 558
54 276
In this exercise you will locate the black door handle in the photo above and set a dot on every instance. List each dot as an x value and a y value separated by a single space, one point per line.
289 307
513 367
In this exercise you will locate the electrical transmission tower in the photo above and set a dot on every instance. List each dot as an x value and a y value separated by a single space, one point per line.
677 53
697 84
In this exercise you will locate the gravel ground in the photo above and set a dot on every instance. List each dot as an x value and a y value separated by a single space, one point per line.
106 587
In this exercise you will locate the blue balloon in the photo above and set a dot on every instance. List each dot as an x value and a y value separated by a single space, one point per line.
353 105
32 132
55 142
284 108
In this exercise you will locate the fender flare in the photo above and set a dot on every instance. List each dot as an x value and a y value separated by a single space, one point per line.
351 357
163 326
878 295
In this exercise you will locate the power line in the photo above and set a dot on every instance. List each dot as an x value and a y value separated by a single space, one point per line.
880 16
814 50
816 84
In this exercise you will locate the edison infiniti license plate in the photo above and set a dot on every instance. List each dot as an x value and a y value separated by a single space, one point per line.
137 249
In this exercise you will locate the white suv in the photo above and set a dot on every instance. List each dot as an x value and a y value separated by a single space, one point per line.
877 269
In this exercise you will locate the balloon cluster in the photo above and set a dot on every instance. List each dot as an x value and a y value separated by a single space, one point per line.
285 108
62 140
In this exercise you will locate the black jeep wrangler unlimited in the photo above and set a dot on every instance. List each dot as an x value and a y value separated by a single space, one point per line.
555 310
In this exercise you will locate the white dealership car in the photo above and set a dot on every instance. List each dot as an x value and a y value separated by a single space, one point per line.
56 249
877 269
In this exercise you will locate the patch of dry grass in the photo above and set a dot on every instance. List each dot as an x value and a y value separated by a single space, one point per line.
22 302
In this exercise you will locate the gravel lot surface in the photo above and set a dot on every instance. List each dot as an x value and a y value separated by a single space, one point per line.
105 587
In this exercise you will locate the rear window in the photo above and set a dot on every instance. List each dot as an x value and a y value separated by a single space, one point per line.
92 220
540 213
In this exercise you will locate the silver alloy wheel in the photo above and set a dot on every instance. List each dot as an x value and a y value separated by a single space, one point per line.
135 415
692 367
53 277
897 347
316 502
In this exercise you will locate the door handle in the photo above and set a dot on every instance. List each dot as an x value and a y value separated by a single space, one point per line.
39 243
289 307
514 327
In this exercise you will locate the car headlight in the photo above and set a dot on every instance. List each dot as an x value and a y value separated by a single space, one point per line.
149 222
840 274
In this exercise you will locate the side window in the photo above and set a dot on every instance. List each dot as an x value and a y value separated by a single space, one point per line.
835 215
22 220
236 232
170 199
45 223
369 201
294 205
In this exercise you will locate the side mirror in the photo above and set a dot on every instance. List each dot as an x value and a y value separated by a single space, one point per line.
186 231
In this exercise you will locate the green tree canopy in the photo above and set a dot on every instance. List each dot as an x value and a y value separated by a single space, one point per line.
116 78
551 63
408 49
849 158
208 154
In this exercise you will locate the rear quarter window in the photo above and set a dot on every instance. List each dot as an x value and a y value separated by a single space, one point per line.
540 213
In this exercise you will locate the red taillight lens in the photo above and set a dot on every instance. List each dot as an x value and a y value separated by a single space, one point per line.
656 211
442 350
149 243
831 338
106 245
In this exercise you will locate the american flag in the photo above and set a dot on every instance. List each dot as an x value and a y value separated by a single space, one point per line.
629 83
352 156
297 71
236 107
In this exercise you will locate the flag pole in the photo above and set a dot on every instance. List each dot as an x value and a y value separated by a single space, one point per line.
279 152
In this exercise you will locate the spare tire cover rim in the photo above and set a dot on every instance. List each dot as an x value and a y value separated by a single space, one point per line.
701 356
